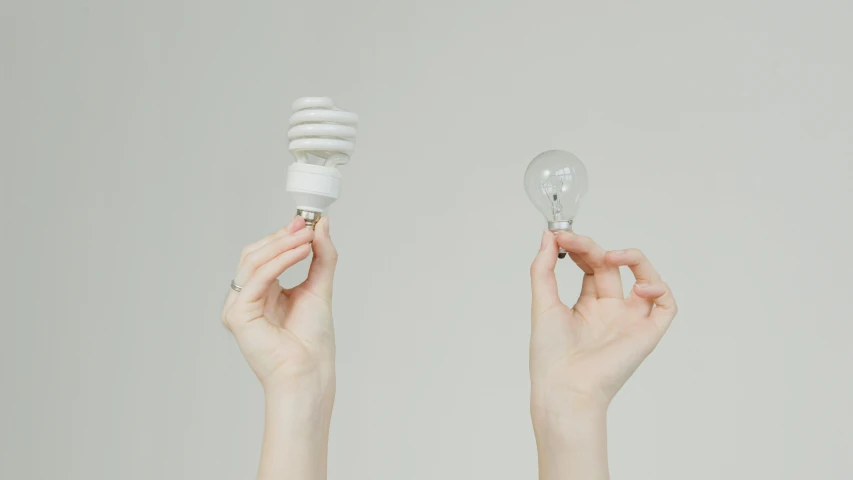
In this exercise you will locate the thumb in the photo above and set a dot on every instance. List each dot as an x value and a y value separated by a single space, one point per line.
321 275
542 279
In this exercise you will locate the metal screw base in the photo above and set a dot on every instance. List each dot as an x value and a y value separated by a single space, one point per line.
311 218
561 226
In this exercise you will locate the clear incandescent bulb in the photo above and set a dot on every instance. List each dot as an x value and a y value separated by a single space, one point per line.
556 182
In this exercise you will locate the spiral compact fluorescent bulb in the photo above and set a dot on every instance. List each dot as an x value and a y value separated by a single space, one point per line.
556 182
322 137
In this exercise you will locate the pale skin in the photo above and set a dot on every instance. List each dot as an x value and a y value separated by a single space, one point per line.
287 337
580 356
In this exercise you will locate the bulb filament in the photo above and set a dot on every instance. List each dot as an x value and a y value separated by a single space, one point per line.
556 183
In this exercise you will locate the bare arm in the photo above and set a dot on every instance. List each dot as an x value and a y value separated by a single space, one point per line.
296 439
288 339
581 356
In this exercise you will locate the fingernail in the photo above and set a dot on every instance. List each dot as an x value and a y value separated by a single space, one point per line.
642 285
617 252
544 240
326 226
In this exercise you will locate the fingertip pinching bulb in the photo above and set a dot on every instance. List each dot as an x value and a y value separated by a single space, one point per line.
556 182
322 138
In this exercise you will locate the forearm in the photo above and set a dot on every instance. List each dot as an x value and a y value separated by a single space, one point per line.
296 438
572 445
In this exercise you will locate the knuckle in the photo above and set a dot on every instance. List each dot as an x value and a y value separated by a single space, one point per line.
226 320
279 244
637 253
251 260
534 268
583 241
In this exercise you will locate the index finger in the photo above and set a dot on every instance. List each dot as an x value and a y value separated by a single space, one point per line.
608 283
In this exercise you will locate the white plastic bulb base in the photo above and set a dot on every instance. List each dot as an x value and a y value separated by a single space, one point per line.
314 188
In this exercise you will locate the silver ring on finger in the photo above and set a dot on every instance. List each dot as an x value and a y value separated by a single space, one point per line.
235 287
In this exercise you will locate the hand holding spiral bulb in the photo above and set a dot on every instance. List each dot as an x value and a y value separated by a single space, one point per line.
322 138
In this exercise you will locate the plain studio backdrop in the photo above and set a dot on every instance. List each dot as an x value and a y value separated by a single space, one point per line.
144 143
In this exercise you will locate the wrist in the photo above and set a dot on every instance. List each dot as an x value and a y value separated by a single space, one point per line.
304 406
559 403
567 424
572 444
312 387
567 418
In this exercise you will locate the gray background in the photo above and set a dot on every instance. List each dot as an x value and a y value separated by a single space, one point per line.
143 143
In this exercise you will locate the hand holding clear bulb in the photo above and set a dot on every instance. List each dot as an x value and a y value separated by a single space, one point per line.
556 182
580 356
